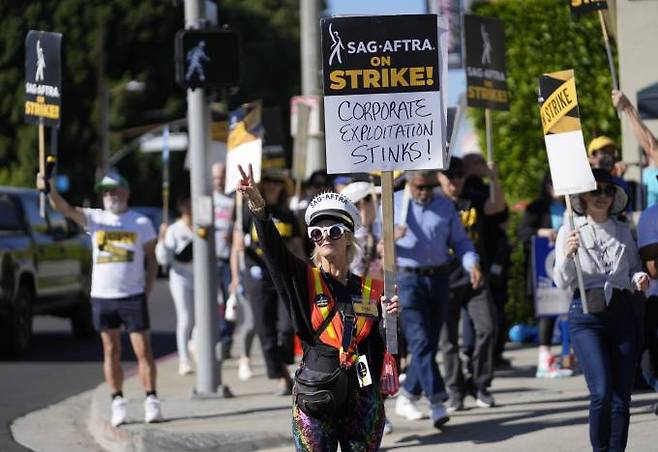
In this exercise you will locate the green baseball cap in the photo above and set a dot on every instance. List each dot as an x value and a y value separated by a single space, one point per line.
112 180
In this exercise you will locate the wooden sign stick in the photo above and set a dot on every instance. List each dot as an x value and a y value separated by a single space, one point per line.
576 259
390 322
42 166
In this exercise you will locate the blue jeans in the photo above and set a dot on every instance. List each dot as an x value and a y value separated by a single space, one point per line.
606 348
223 280
423 301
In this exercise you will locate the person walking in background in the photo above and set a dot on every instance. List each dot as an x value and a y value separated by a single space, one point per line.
424 238
367 261
476 300
647 240
543 218
605 339
273 324
337 315
647 141
224 211
123 273
496 249
174 249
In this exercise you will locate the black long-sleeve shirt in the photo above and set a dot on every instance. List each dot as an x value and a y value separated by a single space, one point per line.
290 277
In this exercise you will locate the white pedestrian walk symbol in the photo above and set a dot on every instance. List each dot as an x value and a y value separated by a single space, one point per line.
336 46
195 58
41 62
486 46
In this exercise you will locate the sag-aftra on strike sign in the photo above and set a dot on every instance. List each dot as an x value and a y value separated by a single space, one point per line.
382 88
43 78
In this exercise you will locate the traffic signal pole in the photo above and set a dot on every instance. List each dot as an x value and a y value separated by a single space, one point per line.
208 375
311 70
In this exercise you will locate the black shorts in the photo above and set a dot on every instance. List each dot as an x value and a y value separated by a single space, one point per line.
111 313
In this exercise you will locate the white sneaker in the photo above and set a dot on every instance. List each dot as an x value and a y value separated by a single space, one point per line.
439 415
119 412
244 369
406 408
191 349
185 368
152 412
388 426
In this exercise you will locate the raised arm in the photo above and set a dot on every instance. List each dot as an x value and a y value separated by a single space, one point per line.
281 262
58 203
644 136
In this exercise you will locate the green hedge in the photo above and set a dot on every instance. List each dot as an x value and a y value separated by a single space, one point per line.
541 36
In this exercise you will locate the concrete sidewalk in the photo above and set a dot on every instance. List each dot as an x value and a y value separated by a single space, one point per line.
533 414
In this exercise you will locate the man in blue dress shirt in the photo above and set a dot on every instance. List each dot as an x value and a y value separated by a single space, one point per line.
427 228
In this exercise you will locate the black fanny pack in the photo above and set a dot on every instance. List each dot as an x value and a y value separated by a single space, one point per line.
185 255
320 394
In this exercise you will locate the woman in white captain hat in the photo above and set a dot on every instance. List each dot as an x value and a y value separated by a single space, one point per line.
336 314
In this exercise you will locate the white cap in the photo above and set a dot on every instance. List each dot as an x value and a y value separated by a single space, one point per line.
356 191
333 205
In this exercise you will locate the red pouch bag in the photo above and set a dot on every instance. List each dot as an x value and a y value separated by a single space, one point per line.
389 382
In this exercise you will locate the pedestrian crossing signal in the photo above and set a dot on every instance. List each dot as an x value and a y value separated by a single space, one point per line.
207 58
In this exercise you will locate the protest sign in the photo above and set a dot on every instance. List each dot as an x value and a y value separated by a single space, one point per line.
486 79
382 86
43 78
245 145
585 6
549 299
565 145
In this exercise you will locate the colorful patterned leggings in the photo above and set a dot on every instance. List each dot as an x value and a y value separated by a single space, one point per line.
358 429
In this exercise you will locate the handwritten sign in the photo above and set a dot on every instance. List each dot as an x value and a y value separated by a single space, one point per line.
383 102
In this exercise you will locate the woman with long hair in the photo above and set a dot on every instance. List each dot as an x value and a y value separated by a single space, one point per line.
174 249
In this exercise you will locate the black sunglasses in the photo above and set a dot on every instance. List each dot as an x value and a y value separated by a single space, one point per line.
428 187
607 190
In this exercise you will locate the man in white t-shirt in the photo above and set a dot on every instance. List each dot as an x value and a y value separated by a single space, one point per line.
124 270
224 211
647 238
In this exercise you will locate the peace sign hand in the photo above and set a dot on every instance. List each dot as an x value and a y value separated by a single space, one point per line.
247 186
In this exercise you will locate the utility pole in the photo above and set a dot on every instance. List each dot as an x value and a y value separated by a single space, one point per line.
208 375
311 70
103 104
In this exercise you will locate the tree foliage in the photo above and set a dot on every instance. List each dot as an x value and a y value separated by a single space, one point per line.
138 44
542 36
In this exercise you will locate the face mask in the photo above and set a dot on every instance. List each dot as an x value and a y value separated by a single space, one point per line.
607 162
113 204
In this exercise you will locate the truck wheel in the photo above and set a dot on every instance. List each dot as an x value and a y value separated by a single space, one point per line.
18 326
81 323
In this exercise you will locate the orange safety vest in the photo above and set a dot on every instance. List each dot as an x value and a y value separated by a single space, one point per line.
322 303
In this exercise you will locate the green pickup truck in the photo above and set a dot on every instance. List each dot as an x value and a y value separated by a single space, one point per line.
45 269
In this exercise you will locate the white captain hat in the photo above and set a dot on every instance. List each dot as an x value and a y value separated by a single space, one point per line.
333 205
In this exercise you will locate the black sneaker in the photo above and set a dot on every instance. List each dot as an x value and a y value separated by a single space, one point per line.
455 404
484 399
501 363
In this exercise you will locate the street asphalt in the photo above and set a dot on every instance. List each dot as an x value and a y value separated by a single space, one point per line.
59 366
531 414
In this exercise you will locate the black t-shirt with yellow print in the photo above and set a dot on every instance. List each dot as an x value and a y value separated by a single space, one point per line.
285 222
471 213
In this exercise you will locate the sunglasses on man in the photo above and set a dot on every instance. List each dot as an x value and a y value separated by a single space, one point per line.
334 232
